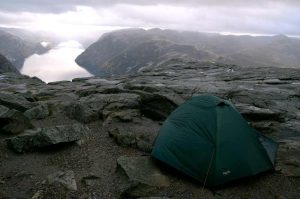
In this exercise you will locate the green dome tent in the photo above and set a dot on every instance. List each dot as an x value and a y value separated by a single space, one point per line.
207 139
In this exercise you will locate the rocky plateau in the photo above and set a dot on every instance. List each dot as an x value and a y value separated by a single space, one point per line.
92 137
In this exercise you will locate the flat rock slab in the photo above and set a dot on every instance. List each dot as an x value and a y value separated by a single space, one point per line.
254 113
44 137
140 134
139 177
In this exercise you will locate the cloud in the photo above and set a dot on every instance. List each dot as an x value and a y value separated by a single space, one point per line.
52 6
270 20
78 17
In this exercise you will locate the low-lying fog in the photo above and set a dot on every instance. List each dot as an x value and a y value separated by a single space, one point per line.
57 64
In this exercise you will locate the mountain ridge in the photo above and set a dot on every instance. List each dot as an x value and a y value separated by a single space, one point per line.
16 49
100 57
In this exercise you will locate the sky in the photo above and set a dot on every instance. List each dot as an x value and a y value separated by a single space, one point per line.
78 17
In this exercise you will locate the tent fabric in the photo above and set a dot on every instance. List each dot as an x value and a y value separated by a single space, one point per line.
208 139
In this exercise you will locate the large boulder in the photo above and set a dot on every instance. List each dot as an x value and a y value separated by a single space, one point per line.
126 115
139 134
13 121
38 112
139 177
14 101
254 113
155 106
81 112
92 107
45 137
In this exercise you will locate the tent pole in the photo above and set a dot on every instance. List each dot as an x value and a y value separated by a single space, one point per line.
208 169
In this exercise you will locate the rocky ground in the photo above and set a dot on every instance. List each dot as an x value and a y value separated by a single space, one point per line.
91 138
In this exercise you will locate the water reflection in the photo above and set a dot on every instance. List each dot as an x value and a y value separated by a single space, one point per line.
58 64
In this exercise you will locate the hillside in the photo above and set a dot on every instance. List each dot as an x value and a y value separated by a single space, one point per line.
125 51
16 49
6 66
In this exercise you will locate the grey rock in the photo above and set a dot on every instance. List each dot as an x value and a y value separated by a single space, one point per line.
154 198
81 112
58 82
140 134
266 127
90 180
63 178
121 100
155 106
139 177
3 110
14 101
80 79
127 115
133 108
39 112
45 137
102 82
13 121
288 159
254 113
92 107
38 195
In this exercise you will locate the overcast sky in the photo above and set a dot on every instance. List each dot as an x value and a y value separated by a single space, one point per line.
82 16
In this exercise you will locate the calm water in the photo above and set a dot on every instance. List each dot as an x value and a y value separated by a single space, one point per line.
57 64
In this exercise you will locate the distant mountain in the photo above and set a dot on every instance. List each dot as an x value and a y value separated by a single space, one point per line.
16 49
125 51
279 51
6 66
29 36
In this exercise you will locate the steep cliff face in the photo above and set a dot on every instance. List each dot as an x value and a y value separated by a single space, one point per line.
6 66
125 51
16 49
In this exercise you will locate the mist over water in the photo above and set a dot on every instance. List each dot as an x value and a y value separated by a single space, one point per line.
57 64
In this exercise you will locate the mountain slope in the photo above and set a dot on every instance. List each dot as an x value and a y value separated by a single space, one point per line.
6 66
279 51
125 51
16 49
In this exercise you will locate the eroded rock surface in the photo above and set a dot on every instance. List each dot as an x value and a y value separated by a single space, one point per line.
124 115
63 178
44 137
140 177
